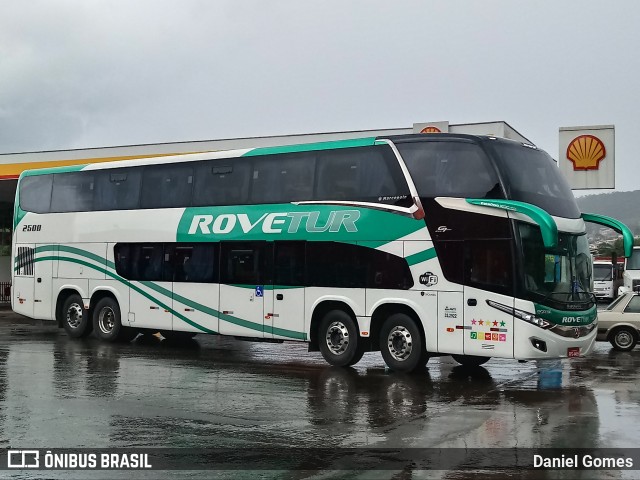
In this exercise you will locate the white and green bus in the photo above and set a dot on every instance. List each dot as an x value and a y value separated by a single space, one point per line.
415 245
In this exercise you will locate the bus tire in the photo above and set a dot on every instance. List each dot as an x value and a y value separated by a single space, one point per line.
106 321
623 339
75 319
401 344
338 339
470 360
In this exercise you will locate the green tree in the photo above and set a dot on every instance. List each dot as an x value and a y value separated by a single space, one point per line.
607 249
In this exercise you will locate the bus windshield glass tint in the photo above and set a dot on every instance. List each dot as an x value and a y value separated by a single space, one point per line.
531 176
559 276
602 273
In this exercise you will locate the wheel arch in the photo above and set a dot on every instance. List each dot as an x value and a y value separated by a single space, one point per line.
65 292
617 326
321 308
100 293
384 311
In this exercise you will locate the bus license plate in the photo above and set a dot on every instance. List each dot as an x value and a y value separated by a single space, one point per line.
573 352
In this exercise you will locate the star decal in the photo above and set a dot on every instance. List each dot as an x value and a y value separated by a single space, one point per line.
495 324
473 322
502 324
480 322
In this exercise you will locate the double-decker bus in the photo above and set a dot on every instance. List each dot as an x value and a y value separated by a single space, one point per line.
413 245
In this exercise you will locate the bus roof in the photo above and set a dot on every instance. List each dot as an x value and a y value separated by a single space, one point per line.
302 147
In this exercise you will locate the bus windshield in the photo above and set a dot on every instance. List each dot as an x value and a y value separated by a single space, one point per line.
633 262
561 276
530 175
602 272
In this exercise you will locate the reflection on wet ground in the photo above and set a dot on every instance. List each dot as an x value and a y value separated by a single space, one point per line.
220 392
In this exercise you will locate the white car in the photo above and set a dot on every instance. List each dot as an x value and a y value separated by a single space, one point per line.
619 324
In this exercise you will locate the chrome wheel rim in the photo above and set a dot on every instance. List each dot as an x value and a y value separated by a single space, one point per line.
74 315
337 338
106 320
624 339
399 343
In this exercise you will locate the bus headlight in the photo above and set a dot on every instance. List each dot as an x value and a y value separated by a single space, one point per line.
521 314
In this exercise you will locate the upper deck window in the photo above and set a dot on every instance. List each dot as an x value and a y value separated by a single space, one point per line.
366 174
450 169
35 193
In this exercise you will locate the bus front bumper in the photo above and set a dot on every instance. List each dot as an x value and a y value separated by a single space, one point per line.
533 342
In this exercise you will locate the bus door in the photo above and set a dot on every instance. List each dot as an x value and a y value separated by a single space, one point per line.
195 286
245 276
488 277
284 317
43 285
150 296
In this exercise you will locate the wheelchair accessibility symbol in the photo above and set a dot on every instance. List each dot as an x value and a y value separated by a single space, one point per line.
259 291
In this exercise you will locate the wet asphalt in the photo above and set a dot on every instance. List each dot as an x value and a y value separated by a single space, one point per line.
58 392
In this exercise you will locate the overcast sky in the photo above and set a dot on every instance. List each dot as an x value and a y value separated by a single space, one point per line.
90 73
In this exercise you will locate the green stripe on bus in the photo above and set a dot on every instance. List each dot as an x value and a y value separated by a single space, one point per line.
308 147
204 309
125 282
421 256
46 171
223 316
76 251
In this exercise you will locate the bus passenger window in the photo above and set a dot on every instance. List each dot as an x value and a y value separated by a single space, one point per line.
195 263
345 269
122 256
35 193
370 174
166 186
289 264
117 190
222 182
450 169
244 263
146 262
72 192
283 178
489 266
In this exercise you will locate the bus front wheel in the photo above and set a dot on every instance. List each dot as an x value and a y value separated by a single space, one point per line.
75 319
339 340
107 324
401 344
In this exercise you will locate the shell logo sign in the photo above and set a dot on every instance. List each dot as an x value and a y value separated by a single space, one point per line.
587 156
586 152
430 129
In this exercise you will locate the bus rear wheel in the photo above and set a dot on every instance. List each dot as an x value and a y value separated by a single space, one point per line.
470 360
75 320
338 339
401 344
107 323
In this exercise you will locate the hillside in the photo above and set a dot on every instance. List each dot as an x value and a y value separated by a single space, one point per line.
624 206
